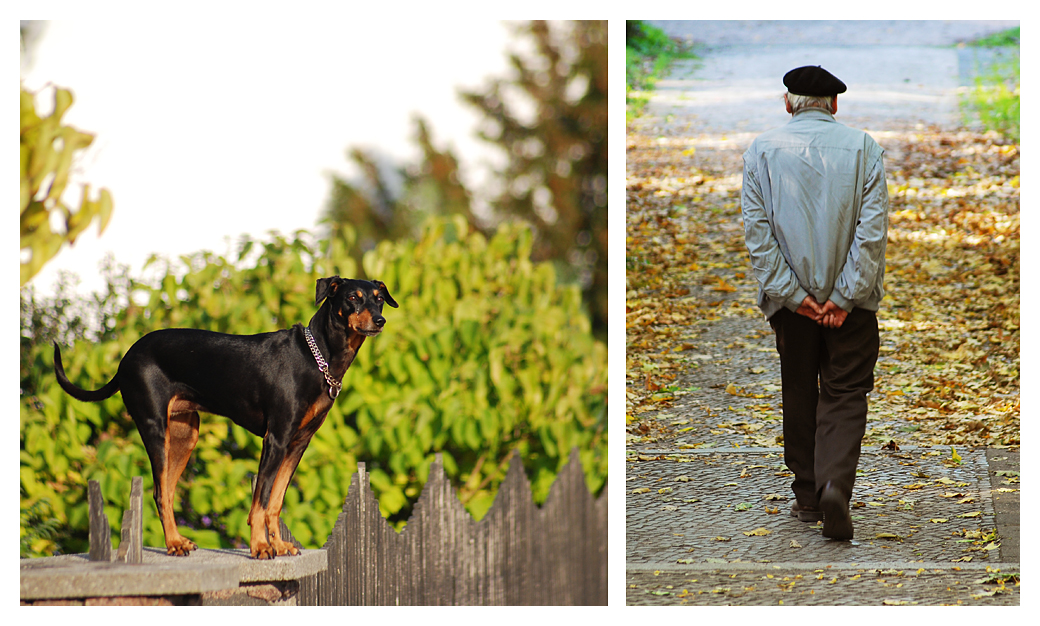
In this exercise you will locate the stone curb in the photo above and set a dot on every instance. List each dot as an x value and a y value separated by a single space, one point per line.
820 586
794 565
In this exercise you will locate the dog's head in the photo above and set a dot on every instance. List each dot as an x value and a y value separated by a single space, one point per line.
357 304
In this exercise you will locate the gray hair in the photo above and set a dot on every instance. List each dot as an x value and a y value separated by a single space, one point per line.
806 102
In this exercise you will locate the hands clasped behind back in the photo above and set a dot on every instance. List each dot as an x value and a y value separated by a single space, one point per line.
829 315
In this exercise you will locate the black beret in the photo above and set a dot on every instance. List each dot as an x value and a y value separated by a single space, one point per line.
813 80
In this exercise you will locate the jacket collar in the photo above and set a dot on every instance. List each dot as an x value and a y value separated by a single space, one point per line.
812 113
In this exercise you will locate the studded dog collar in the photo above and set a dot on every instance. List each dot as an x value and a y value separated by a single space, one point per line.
334 386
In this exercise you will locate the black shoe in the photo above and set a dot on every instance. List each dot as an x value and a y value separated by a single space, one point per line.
836 521
806 513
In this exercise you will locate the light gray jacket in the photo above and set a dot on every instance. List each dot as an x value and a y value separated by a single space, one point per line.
815 207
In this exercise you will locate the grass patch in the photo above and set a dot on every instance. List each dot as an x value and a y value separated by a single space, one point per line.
648 53
1009 38
994 100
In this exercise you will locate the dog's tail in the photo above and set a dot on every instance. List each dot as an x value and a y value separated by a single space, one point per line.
74 391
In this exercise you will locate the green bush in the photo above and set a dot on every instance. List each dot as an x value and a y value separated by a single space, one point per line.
1011 37
487 354
648 53
994 101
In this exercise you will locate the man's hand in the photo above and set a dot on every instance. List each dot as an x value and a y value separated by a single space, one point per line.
831 315
810 308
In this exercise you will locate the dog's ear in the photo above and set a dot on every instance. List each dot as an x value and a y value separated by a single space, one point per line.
386 293
326 287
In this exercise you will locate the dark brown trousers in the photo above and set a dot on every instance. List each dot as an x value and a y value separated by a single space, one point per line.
826 374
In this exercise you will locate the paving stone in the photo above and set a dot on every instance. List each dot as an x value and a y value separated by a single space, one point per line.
907 506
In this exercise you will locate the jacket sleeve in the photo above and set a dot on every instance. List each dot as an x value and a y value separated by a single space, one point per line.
776 277
865 263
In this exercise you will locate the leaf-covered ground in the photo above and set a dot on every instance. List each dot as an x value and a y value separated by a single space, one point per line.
701 365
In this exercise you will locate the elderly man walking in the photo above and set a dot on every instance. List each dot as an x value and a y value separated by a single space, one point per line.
815 208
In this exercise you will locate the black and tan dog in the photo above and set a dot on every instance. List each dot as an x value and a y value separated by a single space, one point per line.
277 385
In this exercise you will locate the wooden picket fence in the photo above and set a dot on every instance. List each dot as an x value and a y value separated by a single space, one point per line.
518 554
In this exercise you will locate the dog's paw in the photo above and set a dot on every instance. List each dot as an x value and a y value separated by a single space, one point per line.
181 547
283 548
263 551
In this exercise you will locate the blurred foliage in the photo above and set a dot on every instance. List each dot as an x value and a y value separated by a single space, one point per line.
359 215
487 354
47 151
648 53
38 530
1010 37
556 176
550 120
994 101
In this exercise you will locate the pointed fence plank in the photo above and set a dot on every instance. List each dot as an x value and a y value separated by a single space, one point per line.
100 531
131 539
517 554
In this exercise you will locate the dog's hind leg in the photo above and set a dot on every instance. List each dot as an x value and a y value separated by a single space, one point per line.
182 433
169 429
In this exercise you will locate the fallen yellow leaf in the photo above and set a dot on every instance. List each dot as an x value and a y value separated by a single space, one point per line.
758 532
723 286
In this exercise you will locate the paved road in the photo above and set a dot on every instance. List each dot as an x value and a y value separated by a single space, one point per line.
712 526
898 74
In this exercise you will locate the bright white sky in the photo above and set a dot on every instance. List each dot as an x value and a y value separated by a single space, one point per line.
207 128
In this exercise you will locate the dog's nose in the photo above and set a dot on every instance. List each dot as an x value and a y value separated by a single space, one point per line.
380 320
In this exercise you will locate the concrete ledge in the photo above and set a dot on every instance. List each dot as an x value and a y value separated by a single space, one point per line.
250 570
74 576
43 581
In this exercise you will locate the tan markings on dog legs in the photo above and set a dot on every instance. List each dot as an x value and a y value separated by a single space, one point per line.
259 548
308 426
182 433
274 506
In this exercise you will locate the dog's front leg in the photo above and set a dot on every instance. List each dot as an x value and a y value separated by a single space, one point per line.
274 507
271 458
